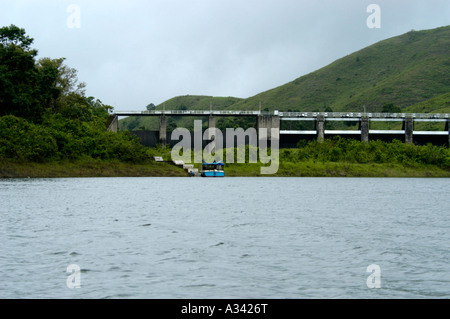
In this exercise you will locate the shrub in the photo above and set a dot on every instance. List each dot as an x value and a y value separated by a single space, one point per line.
338 149
22 140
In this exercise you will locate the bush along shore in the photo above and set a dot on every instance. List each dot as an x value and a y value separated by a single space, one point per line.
340 157
87 167
336 157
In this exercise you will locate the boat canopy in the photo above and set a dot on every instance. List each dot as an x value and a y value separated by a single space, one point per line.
215 163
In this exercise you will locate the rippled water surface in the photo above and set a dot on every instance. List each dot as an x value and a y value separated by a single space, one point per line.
225 238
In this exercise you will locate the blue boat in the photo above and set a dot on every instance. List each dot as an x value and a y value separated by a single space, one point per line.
215 169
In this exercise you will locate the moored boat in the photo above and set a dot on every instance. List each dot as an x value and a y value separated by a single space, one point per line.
215 169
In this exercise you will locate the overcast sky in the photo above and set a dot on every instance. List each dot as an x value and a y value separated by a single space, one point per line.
134 52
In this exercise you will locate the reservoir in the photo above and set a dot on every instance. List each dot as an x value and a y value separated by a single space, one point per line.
259 237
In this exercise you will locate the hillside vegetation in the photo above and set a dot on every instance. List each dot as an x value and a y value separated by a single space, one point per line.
342 157
404 70
188 102
438 104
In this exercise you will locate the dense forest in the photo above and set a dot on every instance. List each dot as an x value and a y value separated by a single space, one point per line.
45 114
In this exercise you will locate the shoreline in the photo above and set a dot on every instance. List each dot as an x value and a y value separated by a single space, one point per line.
86 168
90 168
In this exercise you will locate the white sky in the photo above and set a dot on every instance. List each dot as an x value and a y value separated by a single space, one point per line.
134 52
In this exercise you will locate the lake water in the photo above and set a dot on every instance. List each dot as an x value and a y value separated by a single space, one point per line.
225 238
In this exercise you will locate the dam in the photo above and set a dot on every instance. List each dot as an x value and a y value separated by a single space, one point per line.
290 138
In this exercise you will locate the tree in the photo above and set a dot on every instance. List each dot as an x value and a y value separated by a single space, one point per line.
15 36
65 81
49 74
99 109
391 108
150 107
27 88
68 79
19 94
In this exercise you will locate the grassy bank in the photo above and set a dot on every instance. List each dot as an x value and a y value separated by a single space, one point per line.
339 157
330 169
335 157
95 168
87 168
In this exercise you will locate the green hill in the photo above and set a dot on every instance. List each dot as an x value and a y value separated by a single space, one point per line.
403 70
438 104
410 71
188 102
